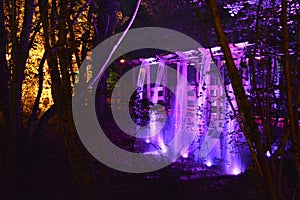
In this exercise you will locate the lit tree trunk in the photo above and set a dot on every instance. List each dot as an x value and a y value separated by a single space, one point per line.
4 100
293 124
69 132
34 113
241 98
62 95
4 74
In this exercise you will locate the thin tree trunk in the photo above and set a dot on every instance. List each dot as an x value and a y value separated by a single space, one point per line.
69 131
241 98
290 93
9 165
62 95
4 73
34 113
240 122
20 49
5 107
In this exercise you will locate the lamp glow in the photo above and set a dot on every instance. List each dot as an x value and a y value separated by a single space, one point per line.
185 155
163 149
236 171
208 164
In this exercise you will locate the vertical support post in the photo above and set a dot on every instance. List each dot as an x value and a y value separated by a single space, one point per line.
141 78
148 81
159 77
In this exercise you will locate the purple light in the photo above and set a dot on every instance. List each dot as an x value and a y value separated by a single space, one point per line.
185 155
162 145
268 154
258 58
236 171
208 164
177 112
163 149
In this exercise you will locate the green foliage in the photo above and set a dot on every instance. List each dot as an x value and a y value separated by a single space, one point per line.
112 80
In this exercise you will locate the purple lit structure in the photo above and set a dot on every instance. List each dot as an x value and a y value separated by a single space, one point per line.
202 112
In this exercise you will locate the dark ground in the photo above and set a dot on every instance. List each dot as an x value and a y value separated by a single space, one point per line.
47 176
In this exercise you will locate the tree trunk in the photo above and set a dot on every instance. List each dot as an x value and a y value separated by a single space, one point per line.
62 95
20 51
34 113
5 107
4 74
10 141
290 94
241 98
